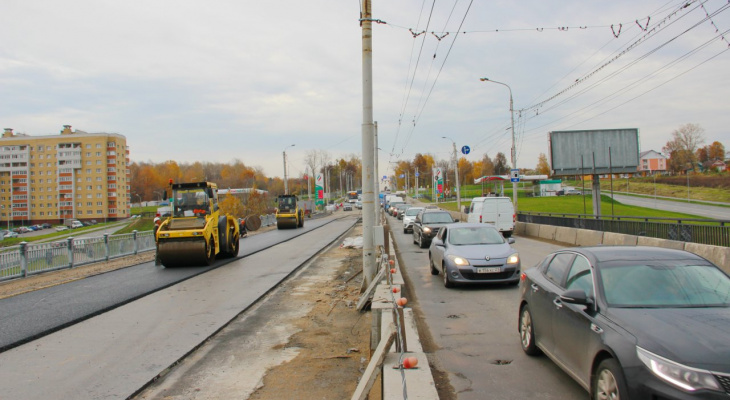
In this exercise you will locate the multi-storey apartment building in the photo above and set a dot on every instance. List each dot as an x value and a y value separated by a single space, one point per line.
52 178
652 162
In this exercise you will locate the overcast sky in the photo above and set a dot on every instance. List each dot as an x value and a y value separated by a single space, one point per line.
220 80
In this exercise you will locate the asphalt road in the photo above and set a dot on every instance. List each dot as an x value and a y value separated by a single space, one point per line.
35 314
714 212
474 330
116 353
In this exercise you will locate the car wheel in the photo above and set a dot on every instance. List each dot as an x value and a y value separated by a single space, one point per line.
421 242
447 281
434 270
405 230
608 381
527 333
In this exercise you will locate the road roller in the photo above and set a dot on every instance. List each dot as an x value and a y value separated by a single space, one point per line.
288 213
196 231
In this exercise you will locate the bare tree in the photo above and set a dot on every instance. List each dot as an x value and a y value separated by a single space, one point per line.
682 149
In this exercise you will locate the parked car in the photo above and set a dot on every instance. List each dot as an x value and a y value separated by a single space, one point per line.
573 192
46 226
473 253
408 218
631 321
11 235
61 228
426 225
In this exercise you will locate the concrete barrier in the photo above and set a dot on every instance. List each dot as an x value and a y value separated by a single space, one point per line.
656 242
532 229
720 256
566 235
547 232
587 237
520 228
619 239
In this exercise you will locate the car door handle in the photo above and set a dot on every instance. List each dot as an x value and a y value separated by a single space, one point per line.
558 303
534 287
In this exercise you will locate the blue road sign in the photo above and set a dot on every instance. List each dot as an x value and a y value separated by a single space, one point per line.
417 174
465 149
402 176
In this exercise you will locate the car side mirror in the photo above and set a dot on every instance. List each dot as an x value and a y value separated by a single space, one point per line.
576 296
437 242
511 240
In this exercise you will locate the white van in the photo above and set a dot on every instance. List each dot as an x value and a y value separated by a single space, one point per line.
497 211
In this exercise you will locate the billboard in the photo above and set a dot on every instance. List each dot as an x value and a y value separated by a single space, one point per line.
594 152
319 189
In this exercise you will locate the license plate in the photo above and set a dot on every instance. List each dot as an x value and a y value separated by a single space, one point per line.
489 270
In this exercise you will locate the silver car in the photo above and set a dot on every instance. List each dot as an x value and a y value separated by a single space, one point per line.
473 253
408 218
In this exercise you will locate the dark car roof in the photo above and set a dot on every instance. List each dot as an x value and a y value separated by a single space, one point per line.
627 253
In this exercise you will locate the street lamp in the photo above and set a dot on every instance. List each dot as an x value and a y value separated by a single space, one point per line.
158 193
514 152
138 198
286 184
456 169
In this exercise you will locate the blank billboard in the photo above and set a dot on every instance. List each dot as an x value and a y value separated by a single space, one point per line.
599 151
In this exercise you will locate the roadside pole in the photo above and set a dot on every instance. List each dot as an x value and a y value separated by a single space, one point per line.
368 201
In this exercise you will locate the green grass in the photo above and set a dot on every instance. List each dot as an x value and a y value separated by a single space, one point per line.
139 225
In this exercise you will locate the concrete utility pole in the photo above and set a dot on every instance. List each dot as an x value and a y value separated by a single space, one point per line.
376 175
368 158
514 148
286 182
456 172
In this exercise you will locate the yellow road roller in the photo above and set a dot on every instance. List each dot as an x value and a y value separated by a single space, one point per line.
196 231
288 213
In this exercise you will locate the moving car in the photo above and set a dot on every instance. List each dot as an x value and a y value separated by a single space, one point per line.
573 192
473 253
631 322
408 218
400 209
497 211
347 207
427 223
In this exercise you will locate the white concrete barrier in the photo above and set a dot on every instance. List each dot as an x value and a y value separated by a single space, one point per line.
566 235
720 256
619 239
656 242
547 232
587 237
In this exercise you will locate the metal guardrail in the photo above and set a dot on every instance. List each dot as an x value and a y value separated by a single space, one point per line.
33 258
702 231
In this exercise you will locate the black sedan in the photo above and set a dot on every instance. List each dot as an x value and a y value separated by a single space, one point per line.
426 225
631 322
473 253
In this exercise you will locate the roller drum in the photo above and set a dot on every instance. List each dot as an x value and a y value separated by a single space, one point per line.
184 253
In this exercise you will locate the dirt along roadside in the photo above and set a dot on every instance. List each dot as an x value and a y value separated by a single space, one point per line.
304 340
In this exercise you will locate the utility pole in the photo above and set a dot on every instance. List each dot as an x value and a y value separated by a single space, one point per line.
456 172
376 175
368 158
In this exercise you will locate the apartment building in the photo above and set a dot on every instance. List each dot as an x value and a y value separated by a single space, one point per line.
652 162
72 175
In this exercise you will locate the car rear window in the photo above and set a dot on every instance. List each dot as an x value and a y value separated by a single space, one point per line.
436 218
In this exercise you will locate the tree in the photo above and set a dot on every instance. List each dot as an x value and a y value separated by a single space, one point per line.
231 205
487 166
682 149
465 169
543 167
716 151
500 164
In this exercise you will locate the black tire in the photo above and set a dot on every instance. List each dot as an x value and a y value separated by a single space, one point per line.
235 247
447 281
527 333
507 234
223 234
405 230
434 270
608 381
209 252
422 243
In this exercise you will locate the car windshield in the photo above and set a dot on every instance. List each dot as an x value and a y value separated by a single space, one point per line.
665 285
413 211
437 218
475 235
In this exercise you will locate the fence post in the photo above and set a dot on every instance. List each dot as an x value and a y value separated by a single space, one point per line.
134 237
70 251
24 259
106 247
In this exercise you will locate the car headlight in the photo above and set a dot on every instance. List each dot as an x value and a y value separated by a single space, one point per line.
460 261
513 259
684 377
426 229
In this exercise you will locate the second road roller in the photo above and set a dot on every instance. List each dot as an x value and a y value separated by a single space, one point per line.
288 212
196 231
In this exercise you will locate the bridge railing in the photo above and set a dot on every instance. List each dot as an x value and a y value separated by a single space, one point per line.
33 258
693 230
